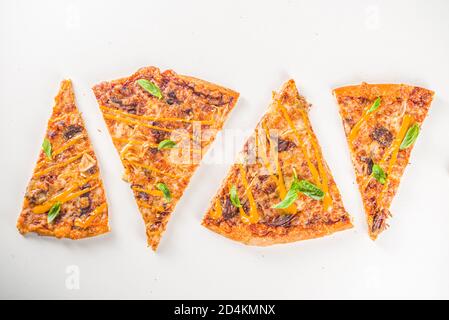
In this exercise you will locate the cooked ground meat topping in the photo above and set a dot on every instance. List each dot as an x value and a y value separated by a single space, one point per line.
284 145
72 131
382 135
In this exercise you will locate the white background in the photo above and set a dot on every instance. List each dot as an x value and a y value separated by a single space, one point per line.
252 47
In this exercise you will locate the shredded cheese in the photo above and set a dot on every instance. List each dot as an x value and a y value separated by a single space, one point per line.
92 215
143 117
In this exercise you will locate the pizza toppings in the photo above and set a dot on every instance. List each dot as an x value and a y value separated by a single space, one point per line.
166 192
72 131
410 137
285 145
85 203
366 115
229 209
172 99
282 220
289 198
379 174
166 144
374 106
382 135
233 196
87 163
46 147
54 212
150 87
36 197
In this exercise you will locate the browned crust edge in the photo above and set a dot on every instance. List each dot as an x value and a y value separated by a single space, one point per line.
243 234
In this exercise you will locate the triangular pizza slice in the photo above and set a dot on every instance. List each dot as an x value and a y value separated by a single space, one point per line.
280 190
381 123
161 124
65 197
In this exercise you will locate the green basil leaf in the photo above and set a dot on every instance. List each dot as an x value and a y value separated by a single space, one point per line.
289 198
234 197
46 146
150 87
53 212
309 189
375 105
410 136
163 187
379 174
166 144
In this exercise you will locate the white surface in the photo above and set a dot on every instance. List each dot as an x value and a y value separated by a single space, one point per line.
252 47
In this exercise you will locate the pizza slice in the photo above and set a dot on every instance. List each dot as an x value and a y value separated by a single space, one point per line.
161 124
65 197
280 190
381 122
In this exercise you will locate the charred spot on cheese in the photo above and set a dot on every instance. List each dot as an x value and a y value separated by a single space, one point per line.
382 135
281 220
285 145
72 131
229 211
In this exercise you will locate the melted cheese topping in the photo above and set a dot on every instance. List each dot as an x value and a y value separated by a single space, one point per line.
65 196
151 207
153 169
312 168
394 154
59 165
92 215
327 200
134 142
68 144
140 123
253 216
405 122
61 149
156 193
320 178
143 117
356 128
279 182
